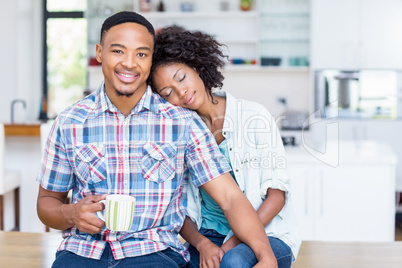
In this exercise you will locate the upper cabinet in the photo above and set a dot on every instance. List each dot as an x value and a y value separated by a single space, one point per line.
285 31
356 34
271 33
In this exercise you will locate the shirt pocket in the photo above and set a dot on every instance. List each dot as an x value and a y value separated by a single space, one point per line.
159 162
91 162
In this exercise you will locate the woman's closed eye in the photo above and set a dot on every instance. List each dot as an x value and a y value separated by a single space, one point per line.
167 93
182 78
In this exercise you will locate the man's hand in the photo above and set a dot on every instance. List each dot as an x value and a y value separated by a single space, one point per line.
269 261
82 214
55 213
210 254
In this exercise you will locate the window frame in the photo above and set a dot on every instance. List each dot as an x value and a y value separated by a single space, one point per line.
51 15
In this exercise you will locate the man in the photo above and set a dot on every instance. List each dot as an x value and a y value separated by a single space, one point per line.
123 139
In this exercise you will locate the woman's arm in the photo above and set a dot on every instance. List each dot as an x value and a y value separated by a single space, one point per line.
242 217
272 205
210 254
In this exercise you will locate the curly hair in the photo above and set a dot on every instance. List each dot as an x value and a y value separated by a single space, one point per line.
195 49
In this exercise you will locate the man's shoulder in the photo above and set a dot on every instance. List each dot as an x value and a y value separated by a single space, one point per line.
171 111
80 110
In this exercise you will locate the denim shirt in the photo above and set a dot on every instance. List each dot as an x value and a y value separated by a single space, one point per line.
258 161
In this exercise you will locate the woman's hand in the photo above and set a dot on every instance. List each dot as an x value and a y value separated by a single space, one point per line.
231 243
210 254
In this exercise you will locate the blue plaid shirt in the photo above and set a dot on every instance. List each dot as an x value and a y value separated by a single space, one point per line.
94 149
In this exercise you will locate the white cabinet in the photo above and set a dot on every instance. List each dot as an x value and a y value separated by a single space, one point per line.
356 34
354 201
237 29
270 29
384 131
285 32
334 33
381 43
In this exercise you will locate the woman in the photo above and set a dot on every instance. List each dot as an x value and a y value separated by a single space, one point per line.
186 68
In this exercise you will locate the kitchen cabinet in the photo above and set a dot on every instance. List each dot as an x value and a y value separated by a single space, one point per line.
271 29
285 31
356 34
384 131
353 201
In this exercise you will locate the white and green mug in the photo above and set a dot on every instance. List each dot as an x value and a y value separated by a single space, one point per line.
118 213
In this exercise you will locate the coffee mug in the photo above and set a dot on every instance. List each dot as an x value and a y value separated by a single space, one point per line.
118 213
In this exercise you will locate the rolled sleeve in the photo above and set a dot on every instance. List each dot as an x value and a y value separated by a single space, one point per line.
55 172
277 177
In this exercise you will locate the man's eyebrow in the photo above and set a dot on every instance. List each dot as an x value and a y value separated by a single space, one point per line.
117 45
123 46
174 75
144 48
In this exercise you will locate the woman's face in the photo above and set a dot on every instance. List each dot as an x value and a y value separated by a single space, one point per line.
180 85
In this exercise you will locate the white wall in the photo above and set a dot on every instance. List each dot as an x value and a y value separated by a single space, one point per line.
266 85
20 76
20 69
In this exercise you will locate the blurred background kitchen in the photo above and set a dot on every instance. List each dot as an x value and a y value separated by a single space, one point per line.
328 71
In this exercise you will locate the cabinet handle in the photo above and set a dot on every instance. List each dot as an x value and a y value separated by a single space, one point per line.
306 194
365 132
321 193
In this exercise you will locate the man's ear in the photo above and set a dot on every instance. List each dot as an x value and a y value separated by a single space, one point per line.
99 53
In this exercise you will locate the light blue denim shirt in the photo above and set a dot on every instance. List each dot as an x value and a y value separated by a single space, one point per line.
259 162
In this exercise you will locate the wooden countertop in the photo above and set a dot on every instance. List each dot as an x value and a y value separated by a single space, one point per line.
315 254
37 250
22 129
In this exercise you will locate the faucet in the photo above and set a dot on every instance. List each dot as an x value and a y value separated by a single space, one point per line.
12 108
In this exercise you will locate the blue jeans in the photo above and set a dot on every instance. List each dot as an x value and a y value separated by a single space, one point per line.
164 259
241 255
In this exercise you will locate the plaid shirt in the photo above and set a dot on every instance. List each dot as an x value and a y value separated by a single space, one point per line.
94 149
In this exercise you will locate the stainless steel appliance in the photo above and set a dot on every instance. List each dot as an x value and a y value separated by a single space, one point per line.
358 93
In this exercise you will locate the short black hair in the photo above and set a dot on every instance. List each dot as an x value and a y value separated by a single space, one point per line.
123 17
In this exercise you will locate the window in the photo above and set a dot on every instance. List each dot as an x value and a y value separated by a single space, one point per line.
65 50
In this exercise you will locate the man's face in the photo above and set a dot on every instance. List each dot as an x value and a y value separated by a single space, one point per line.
126 57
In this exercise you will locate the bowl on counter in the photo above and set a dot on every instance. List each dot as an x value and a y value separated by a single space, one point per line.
270 61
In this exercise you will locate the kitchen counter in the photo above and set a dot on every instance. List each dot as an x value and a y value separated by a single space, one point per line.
342 152
22 129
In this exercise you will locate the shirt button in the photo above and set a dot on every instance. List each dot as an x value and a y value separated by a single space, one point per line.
230 149
237 170
125 123
126 182
224 133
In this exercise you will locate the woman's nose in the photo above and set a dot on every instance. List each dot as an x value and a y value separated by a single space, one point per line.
182 92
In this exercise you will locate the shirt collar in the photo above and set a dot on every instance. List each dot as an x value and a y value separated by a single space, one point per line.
228 123
148 101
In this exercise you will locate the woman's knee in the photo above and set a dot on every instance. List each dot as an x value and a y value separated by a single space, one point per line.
239 257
